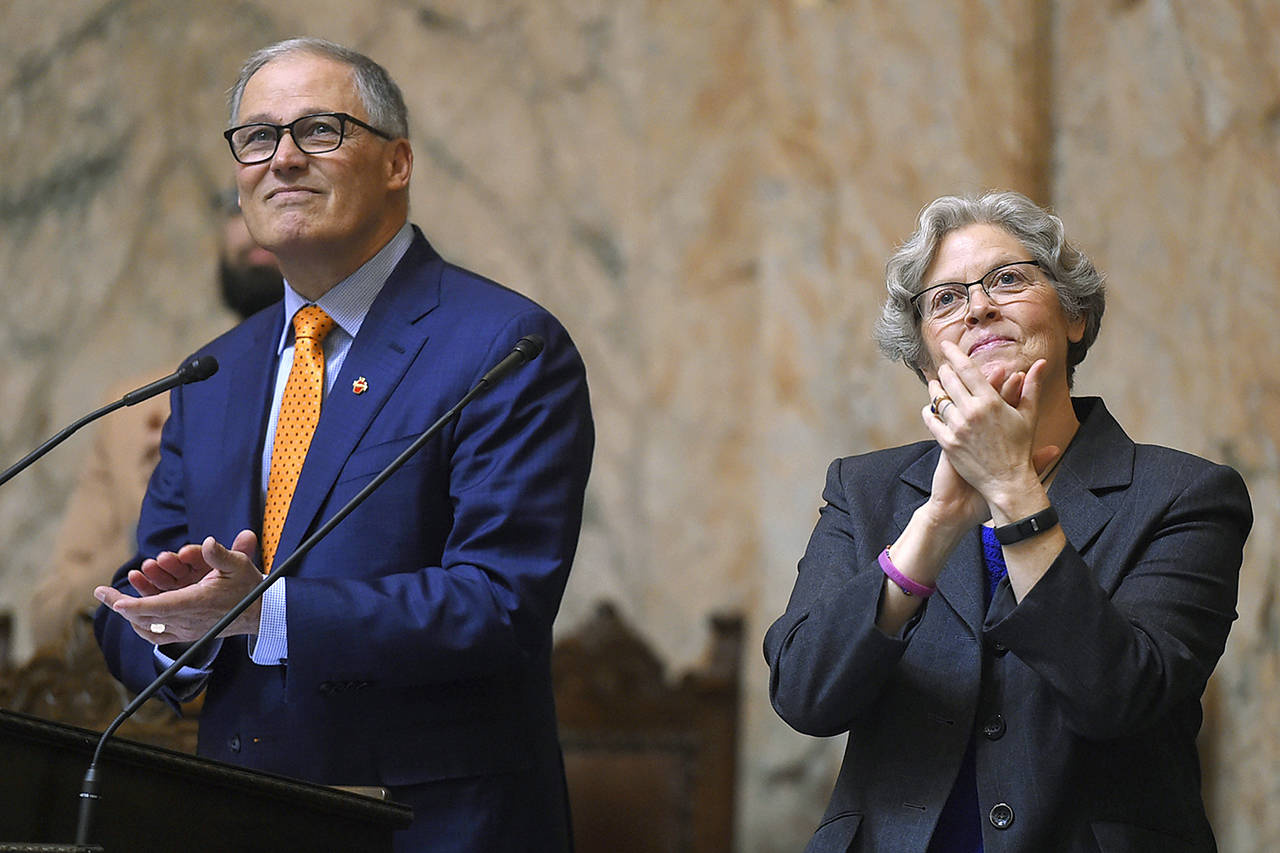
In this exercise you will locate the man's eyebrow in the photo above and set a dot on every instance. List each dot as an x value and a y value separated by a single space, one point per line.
269 118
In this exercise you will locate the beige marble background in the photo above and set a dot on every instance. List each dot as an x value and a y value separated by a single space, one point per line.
705 192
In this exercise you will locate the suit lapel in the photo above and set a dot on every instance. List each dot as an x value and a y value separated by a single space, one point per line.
961 580
1099 459
390 338
234 422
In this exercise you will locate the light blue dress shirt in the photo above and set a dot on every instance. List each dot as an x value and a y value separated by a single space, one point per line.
348 303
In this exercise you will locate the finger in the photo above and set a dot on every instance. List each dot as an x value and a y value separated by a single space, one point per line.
964 371
238 558
165 571
997 377
934 423
183 568
193 558
133 611
963 392
1011 388
219 557
1044 457
246 542
146 633
1032 387
108 595
155 632
938 398
140 582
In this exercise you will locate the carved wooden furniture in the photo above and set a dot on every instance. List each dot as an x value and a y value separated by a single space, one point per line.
72 685
651 764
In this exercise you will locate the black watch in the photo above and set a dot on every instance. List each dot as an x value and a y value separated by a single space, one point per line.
1032 525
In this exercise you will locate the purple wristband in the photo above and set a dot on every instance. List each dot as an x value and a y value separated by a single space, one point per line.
903 582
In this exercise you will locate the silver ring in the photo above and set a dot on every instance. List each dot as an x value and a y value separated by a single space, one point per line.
157 627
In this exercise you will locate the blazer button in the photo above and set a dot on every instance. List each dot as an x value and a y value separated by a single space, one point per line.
994 728
999 648
1001 816
234 743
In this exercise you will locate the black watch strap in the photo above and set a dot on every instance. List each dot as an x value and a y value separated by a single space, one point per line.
1032 525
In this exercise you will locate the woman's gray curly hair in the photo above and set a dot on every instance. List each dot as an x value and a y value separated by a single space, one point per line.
1079 285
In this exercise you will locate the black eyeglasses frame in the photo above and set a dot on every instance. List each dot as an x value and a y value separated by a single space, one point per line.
280 129
915 299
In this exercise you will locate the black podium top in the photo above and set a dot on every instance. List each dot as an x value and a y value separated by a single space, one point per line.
158 800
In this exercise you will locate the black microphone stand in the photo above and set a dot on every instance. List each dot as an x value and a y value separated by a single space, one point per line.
193 371
526 349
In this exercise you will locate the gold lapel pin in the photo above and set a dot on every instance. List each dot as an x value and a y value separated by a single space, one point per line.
360 386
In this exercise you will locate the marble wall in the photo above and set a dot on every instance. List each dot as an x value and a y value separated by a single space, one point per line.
705 192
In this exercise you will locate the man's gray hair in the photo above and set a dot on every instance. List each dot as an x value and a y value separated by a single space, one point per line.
378 93
1078 283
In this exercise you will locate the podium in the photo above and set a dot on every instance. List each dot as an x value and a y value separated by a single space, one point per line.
156 800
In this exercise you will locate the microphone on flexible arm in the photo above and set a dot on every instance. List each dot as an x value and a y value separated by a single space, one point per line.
526 349
195 370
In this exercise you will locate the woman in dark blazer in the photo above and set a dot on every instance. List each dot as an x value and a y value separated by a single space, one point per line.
1015 621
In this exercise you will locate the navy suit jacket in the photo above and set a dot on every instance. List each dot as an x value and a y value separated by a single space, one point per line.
1082 700
420 628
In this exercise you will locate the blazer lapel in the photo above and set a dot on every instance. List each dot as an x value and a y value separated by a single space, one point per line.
389 340
1099 459
234 423
960 582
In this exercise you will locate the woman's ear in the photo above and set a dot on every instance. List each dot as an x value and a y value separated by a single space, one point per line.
1076 327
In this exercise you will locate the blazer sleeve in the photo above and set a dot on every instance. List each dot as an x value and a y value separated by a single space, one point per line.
130 658
517 465
1138 628
828 662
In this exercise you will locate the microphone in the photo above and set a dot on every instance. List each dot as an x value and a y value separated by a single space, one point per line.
193 371
526 349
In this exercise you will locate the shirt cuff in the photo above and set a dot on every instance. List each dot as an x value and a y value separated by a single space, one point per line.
187 682
271 646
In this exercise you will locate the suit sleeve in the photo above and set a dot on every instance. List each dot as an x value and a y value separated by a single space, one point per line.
517 465
130 658
828 661
1119 658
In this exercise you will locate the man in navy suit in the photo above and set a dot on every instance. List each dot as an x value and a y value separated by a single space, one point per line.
410 648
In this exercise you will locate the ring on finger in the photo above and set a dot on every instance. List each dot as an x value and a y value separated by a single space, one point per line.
157 627
937 404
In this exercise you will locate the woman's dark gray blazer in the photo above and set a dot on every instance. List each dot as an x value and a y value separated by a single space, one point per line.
1083 699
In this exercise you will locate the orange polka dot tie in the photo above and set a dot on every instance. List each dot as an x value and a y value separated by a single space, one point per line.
299 412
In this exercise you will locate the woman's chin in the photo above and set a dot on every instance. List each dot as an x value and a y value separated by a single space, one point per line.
994 369
998 368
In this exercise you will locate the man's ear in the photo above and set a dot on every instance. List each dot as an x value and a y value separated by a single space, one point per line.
399 165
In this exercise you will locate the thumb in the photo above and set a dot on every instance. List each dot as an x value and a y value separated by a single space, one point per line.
246 542
223 559
1043 457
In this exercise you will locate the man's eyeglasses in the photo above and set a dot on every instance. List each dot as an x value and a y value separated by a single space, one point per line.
313 134
947 302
